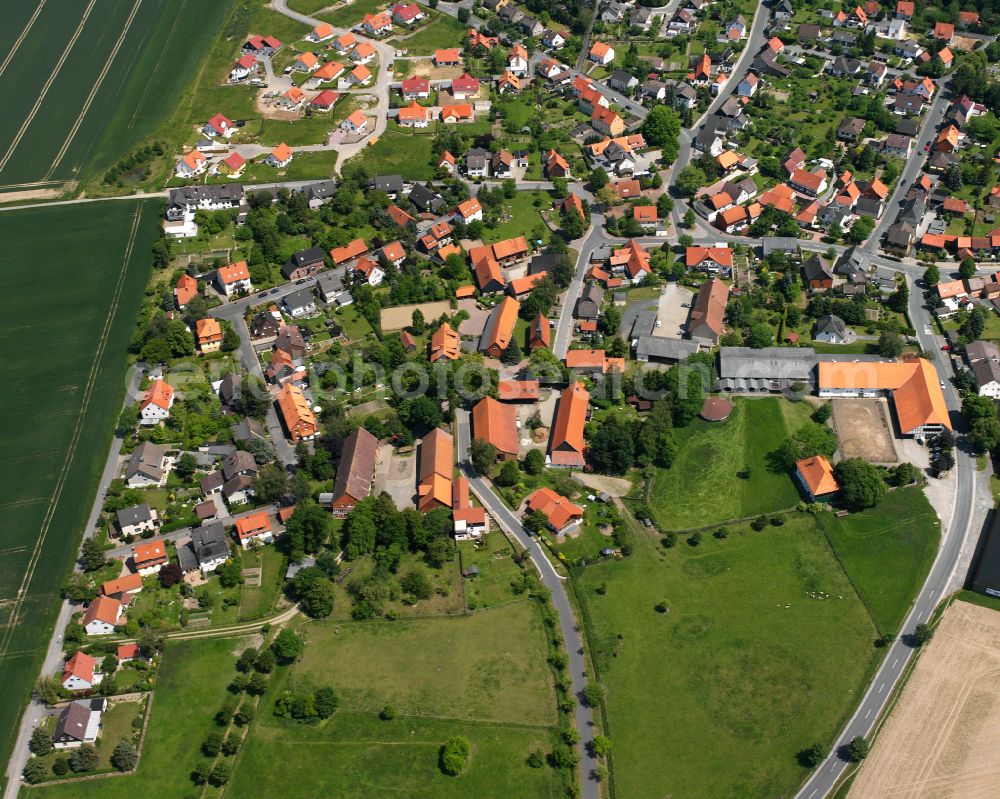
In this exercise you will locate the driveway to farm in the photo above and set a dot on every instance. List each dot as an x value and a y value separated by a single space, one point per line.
386 54
568 624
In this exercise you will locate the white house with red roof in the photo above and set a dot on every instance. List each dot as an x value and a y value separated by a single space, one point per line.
219 125
156 403
254 528
233 278
325 100
101 616
368 271
415 88
464 87
407 15
80 673
245 66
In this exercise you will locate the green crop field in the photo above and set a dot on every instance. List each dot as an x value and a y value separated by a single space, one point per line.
745 670
710 455
73 278
90 80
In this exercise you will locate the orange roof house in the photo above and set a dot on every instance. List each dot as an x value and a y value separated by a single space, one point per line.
327 72
129 584
444 344
947 140
566 445
496 423
352 249
434 489
561 513
539 333
361 74
607 121
447 57
708 311
457 113
780 197
499 330
101 616
816 476
209 334
78 673
300 421
913 385
518 390
256 525
469 209
574 203
156 402
185 290
149 556
414 114
944 31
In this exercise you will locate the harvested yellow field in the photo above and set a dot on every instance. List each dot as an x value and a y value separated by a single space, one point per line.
942 740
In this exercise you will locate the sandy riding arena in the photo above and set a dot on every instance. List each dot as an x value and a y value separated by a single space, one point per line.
942 740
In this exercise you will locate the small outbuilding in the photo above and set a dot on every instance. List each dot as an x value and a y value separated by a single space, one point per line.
716 409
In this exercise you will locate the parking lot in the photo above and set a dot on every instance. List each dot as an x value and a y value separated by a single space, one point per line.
675 301
864 429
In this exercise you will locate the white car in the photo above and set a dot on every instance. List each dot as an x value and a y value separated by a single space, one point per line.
659 323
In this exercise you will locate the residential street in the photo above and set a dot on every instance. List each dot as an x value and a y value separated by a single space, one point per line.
568 624
386 54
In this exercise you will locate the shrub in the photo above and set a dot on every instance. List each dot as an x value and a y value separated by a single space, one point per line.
124 758
454 755
84 759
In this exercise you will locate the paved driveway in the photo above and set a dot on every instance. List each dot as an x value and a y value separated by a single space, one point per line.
672 313
397 475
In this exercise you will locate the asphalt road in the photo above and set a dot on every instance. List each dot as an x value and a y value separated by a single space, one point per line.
568 624
594 238
928 131
828 774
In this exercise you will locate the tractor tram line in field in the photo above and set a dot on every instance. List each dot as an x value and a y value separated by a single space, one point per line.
71 450
24 35
48 84
93 91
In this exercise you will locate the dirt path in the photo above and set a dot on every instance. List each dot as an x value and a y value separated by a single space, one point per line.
942 741
616 486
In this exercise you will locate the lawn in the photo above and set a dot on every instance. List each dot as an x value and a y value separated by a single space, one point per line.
304 166
442 33
258 601
399 153
710 455
190 689
887 551
763 652
116 725
455 668
351 14
493 557
521 217
360 755
66 339
111 92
